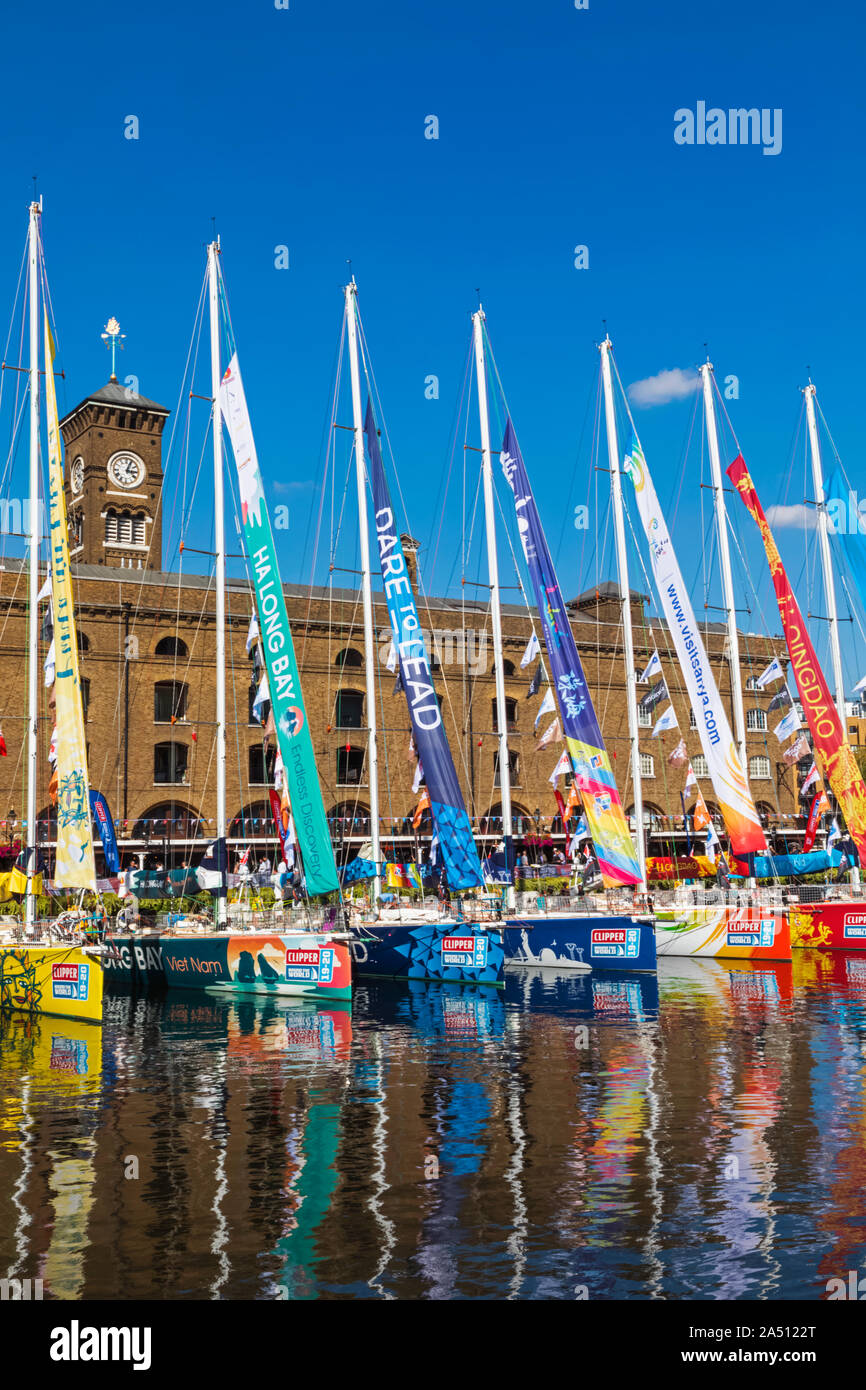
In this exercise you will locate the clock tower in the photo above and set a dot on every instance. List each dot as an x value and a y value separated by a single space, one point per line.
113 443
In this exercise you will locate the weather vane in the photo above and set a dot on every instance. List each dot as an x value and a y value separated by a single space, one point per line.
111 335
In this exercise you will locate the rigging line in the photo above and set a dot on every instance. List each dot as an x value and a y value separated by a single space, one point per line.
445 482
13 317
571 486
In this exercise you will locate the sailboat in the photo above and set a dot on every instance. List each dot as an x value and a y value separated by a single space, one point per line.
281 962
53 969
412 943
618 939
838 921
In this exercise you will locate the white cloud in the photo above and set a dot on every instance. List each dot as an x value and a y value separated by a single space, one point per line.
798 515
665 386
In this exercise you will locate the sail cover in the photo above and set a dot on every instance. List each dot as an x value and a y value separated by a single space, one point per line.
284 682
831 744
723 760
447 806
604 813
75 867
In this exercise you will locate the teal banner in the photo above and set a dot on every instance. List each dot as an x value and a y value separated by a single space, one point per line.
284 682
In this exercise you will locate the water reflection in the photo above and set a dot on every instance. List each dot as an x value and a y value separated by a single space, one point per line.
696 1136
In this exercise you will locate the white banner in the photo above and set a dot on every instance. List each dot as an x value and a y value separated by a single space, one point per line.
717 741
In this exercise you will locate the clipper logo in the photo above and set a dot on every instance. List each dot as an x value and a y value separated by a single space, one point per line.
292 721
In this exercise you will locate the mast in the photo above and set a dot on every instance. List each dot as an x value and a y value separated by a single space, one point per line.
725 561
34 538
827 567
495 605
826 563
213 251
625 600
351 294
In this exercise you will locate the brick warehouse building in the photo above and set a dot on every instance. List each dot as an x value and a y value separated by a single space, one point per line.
147 641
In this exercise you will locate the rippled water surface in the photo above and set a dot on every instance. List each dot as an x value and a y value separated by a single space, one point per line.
698 1136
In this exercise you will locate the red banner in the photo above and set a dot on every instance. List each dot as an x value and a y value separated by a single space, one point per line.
836 754
820 804
281 823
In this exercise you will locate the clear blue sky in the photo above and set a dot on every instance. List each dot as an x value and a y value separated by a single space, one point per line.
305 127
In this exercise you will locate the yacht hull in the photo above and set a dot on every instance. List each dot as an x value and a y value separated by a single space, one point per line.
725 933
831 926
300 964
63 981
574 941
463 952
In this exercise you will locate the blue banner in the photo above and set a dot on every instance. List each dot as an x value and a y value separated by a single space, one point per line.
594 774
447 807
105 826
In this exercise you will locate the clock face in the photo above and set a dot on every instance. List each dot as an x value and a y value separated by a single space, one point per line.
126 470
78 475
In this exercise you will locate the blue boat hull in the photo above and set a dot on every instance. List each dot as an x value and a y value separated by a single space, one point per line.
568 942
429 951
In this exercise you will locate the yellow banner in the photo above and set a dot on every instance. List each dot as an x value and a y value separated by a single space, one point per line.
75 867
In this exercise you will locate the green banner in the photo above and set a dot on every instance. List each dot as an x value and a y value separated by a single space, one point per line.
284 682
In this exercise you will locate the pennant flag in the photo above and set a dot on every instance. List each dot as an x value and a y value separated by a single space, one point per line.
391 663
573 803
50 665
418 778
773 672
654 696
691 783
193 735
45 591
711 844
820 806
263 696
666 720
535 683
398 683
653 668
532 650
105 826
252 633
861 685
423 805
811 779
46 630
679 757
798 750
787 726
553 733
547 706
780 701
834 834
562 767
3 752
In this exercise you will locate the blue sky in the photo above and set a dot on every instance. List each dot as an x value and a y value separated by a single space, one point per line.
305 127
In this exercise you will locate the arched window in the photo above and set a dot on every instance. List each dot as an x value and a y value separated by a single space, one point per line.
169 820
138 529
756 721
255 820
85 695
350 767
169 701
514 768
170 763
507 668
699 766
111 528
349 818
171 646
349 712
759 769
510 712
652 816
261 765
349 656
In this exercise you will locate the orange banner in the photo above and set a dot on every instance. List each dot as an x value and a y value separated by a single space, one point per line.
836 755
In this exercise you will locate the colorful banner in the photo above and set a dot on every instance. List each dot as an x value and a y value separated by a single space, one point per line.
447 807
75 867
820 806
723 761
280 814
831 745
284 682
105 826
602 805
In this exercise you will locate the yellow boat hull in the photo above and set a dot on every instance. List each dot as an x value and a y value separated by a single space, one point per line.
64 981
